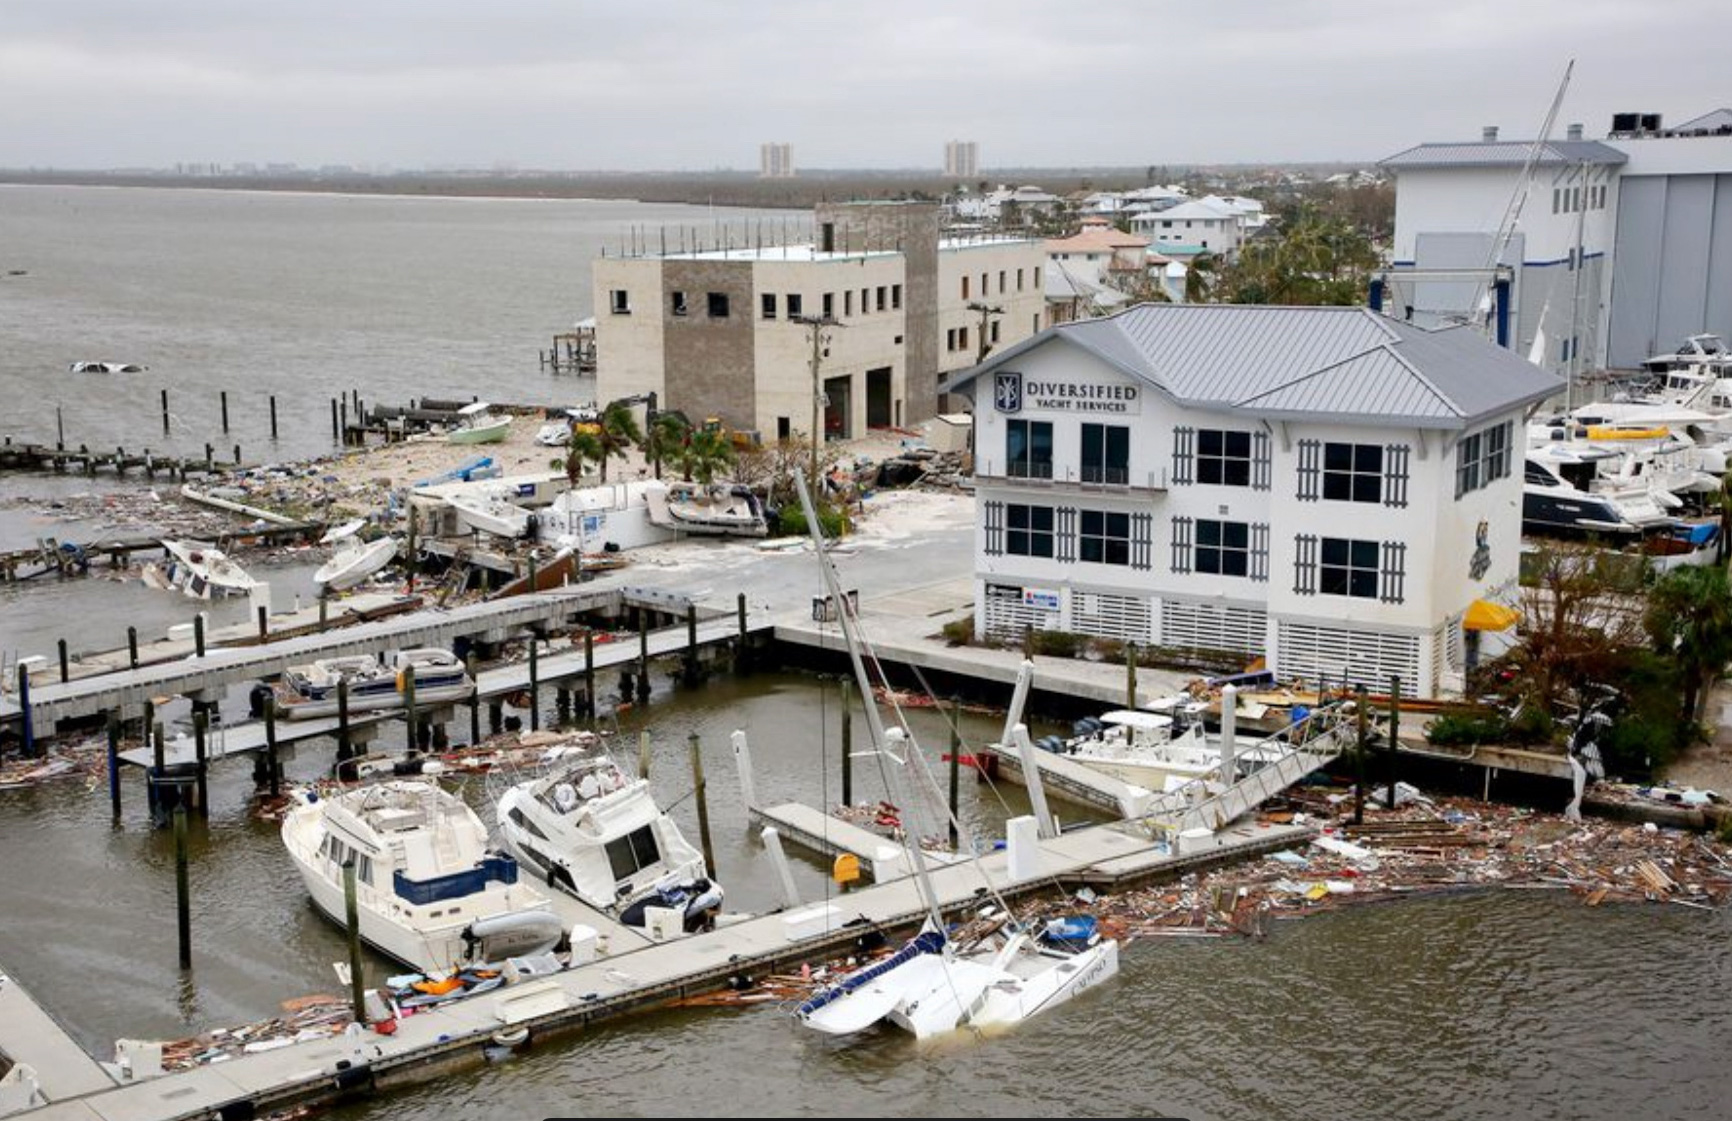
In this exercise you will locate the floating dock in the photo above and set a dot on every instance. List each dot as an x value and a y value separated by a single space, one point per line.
58 1068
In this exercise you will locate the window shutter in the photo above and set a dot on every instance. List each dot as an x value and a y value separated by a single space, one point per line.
1184 440
995 529
1142 541
1182 545
1395 475
1310 469
1260 551
1259 460
1305 564
1066 546
1394 571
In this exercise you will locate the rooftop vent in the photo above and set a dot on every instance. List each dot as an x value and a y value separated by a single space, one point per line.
1575 132
1490 134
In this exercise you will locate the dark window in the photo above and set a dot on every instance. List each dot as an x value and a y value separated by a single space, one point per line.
619 300
829 305
718 305
881 297
769 301
965 288
1482 458
1353 472
1019 280
995 330
896 296
795 304
1223 458
523 822
1028 530
1000 282
848 303
1028 449
1106 537
962 338
679 303
1223 548
633 852
1348 568
1106 453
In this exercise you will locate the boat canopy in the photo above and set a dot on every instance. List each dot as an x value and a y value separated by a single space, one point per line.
1484 615
474 409
1142 721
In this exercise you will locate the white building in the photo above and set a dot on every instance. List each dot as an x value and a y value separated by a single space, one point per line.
1324 487
1622 247
1214 226
961 159
729 333
775 161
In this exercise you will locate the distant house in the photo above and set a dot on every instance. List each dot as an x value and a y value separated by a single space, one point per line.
1215 226
1098 251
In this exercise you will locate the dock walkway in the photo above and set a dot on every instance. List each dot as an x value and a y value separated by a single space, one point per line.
31 1037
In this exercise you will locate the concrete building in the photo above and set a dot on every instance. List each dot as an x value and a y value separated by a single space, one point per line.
961 159
1324 487
1622 247
1214 226
775 161
730 332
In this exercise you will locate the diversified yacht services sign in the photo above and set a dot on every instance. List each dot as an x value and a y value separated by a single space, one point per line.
1011 393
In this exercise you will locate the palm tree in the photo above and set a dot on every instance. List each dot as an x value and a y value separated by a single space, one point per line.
707 452
666 439
1689 618
616 432
583 444
1199 277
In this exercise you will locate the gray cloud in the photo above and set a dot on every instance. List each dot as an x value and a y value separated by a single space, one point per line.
880 83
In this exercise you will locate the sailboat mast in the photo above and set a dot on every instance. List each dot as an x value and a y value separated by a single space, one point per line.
874 720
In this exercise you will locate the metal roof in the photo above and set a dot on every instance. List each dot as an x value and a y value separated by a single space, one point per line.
1707 122
1504 153
1342 364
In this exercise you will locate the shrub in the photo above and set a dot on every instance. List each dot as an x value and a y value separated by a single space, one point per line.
959 632
1463 729
1058 644
832 519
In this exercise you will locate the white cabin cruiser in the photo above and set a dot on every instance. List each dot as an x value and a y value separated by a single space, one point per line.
584 826
430 893
201 570
311 690
352 559
1560 495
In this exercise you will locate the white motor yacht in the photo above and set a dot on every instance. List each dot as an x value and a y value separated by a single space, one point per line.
352 559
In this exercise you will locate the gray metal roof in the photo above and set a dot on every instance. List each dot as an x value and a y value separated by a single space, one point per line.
1504 153
1707 122
1342 364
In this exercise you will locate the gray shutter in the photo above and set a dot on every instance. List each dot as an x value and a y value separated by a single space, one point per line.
1395 475
1259 460
1305 564
1184 441
1142 541
1393 577
1066 545
1310 469
1182 545
995 529
1260 551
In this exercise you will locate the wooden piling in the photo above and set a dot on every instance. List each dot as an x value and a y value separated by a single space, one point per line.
198 634
273 416
27 717
1361 712
352 928
956 765
165 412
223 395
182 889
200 728
406 685
65 661
691 667
271 760
534 687
324 610
264 615
643 757
589 674
1394 731
474 700
1131 676
132 651
336 432
742 655
114 760
59 430
345 748
698 790
412 562
847 742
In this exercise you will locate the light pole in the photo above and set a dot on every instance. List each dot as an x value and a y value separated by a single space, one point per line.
818 324
987 312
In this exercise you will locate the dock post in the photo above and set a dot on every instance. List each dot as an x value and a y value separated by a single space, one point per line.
742 656
1131 675
237 455
743 764
561 706
691 644
273 416
352 928
324 609
335 431
276 768
589 674
411 562
165 412
224 397
773 845
643 755
344 748
703 801
1032 778
1229 734
847 742
534 687
534 578
182 889
495 717
474 700
200 726
264 623
1362 715
406 684
643 681
132 650
65 662
59 430
114 760
198 634
1394 732
343 412
24 711
209 458
955 767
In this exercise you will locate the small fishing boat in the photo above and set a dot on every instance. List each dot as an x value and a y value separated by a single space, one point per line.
586 827
430 892
311 690
490 512
475 425
715 508
353 559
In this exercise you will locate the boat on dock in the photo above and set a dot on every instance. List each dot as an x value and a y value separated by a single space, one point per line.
586 827
311 690
476 425
430 892
352 559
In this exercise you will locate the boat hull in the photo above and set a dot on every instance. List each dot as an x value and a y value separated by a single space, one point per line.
350 568
489 433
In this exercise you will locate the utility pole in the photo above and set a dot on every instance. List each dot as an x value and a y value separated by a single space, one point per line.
818 324
987 312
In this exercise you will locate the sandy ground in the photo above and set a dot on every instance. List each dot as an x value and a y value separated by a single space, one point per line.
1709 766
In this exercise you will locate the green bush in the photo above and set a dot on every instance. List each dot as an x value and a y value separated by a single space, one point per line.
1058 644
833 520
1463 729
958 632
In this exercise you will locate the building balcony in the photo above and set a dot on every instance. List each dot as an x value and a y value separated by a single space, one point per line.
1069 480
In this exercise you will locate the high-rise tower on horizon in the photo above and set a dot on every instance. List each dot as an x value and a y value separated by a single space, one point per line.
775 161
961 159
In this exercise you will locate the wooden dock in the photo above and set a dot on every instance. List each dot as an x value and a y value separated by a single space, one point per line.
87 461
75 558
30 1037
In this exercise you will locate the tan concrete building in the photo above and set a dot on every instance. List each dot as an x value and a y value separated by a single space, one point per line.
891 306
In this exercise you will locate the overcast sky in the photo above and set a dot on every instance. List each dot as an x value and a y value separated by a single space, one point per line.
864 83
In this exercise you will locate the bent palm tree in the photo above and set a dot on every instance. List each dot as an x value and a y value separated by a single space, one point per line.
617 431
665 442
707 452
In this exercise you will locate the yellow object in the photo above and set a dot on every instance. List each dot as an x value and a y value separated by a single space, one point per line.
1318 891
846 869
1611 432
1484 615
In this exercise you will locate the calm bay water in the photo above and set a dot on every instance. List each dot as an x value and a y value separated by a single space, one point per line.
1490 1006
